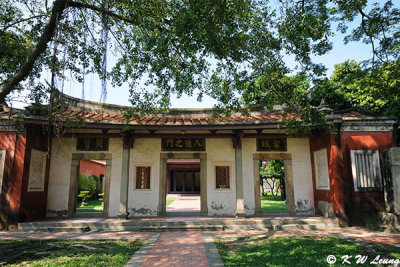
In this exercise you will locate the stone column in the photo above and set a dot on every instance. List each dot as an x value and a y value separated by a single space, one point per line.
203 184
289 186
257 186
73 187
394 159
127 140
106 197
237 145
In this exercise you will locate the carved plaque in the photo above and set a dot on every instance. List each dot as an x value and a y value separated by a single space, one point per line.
183 144
271 144
37 171
92 144
321 169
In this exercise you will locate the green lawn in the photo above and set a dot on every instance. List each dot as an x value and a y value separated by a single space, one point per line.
272 203
169 201
67 252
90 210
290 251
93 205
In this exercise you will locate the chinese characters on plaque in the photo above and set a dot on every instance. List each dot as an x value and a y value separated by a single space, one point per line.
271 144
92 144
183 144
37 171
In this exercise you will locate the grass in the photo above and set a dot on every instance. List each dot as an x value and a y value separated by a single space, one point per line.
291 251
93 205
169 201
67 252
90 210
270 202
389 249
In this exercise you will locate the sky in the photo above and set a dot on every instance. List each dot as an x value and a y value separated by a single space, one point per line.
120 95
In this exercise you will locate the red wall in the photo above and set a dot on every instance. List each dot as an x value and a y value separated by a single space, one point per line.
90 168
14 144
320 140
348 204
364 201
34 204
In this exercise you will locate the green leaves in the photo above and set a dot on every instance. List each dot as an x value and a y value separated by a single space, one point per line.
233 51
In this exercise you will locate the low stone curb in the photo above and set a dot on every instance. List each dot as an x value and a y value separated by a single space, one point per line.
214 259
141 254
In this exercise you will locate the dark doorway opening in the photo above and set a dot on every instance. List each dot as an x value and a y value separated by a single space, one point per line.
183 177
183 185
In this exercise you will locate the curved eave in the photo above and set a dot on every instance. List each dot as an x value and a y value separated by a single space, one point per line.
138 126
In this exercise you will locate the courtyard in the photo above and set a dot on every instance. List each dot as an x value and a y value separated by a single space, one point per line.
199 248
199 133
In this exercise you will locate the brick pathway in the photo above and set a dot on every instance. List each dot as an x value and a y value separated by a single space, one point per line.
178 249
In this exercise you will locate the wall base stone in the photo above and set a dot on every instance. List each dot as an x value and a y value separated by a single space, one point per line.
326 209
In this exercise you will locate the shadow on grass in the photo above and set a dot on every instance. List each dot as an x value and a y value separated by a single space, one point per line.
284 251
68 252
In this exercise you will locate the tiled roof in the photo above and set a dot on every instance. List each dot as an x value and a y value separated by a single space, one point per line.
176 117
71 108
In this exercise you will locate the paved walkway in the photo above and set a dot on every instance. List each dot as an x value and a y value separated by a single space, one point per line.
188 204
178 249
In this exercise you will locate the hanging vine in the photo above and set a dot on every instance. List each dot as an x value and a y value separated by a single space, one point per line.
104 38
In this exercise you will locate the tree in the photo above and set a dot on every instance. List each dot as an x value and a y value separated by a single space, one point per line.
352 84
273 173
87 184
222 48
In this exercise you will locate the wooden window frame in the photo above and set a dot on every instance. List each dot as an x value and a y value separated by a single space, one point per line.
135 166
223 164
377 168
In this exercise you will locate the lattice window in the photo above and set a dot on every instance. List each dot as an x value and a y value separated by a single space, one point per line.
142 177
366 170
222 177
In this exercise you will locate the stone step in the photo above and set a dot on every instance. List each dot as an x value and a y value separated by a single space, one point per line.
54 229
284 227
389 229
211 225
181 228
297 227
159 223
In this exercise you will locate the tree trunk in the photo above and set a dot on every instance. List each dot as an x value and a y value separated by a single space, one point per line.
48 33
56 12
283 189
262 185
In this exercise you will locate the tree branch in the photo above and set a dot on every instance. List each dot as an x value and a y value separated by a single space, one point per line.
7 87
58 8
363 13
23 20
101 10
